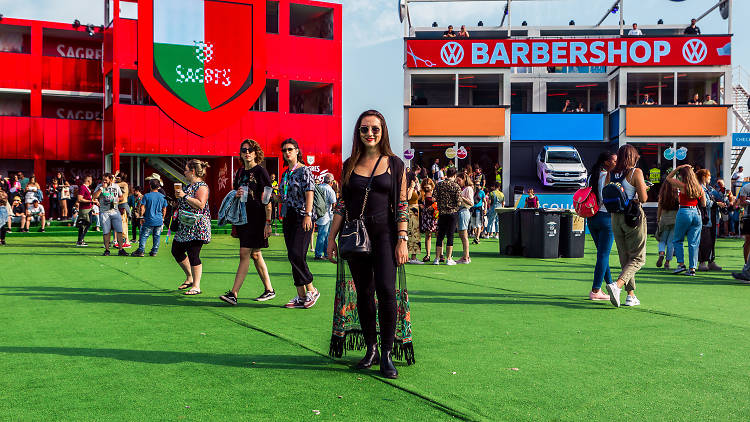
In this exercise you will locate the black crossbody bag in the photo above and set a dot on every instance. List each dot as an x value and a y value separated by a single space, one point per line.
354 242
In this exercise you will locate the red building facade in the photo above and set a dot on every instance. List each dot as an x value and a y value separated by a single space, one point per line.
58 110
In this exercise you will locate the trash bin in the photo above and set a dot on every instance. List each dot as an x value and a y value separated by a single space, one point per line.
540 232
572 235
509 235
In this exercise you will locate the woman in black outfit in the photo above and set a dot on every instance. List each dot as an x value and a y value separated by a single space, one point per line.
386 219
250 182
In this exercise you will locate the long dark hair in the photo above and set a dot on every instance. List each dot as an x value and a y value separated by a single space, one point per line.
604 156
358 147
668 199
627 157
291 141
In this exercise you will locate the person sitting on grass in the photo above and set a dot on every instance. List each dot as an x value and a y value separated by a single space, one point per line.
109 194
153 208
35 213
18 214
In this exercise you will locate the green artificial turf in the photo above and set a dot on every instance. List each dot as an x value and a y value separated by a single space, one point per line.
86 337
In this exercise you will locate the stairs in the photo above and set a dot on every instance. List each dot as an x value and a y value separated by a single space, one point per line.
741 114
170 167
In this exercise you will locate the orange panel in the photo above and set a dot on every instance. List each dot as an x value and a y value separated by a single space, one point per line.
676 121
457 121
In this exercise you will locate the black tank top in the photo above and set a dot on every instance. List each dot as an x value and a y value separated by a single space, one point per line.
378 202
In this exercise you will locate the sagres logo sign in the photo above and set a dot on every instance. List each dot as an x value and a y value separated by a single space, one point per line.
452 53
695 51
202 61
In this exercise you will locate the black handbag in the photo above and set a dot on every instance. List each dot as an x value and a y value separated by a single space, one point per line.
354 242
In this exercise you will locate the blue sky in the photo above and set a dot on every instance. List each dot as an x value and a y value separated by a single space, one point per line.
373 46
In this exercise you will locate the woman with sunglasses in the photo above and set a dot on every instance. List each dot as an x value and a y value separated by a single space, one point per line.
297 191
385 215
250 182
195 225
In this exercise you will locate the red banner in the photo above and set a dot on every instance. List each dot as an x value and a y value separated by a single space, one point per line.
630 51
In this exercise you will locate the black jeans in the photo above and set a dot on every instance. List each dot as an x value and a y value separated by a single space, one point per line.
297 243
446 227
706 249
377 274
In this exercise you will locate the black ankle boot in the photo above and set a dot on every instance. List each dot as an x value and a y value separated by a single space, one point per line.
386 366
371 357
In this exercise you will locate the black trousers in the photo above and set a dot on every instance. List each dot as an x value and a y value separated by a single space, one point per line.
136 225
83 223
297 243
191 249
706 249
377 274
3 230
446 227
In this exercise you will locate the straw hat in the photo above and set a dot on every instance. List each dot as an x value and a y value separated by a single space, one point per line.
155 176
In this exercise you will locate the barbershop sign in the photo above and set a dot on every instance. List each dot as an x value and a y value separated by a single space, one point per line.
631 51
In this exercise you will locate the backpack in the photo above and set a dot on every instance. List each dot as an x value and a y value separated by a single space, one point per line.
585 202
320 206
614 197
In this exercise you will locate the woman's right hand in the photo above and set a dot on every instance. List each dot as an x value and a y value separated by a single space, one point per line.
332 251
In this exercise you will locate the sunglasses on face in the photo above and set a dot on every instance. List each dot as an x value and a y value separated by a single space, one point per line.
287 149
245 150
364 129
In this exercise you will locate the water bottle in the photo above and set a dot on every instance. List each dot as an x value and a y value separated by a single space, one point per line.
243 198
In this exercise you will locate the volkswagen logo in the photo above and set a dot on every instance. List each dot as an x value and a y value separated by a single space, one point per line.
452 53
694 51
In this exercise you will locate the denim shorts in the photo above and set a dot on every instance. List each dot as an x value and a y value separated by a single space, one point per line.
463 219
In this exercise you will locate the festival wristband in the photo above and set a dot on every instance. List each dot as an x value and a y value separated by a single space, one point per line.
402 213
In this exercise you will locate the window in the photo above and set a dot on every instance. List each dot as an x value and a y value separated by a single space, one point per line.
479 90
13 104
15 39
563 157
520 97
269 98
579 96
272 17
702 84
310 97
108 96
311 21
434 90
644 88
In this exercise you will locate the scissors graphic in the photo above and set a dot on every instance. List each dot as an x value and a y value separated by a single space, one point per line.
427 62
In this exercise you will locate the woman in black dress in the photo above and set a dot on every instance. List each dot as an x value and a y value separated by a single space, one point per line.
386 219
250 182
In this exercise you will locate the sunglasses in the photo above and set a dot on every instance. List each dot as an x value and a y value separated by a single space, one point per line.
287 149
245 150
364 129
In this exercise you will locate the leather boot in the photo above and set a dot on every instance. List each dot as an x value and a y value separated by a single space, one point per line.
371 357
386 366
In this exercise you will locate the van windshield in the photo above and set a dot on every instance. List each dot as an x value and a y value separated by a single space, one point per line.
563 157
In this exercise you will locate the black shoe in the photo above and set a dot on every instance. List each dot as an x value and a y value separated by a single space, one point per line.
660 261
426 259
229 298
123 252
2 242
476 242
152 253
81 244
137 253
41 230
386 366
442 259
267 295
741 276
106 253
371 358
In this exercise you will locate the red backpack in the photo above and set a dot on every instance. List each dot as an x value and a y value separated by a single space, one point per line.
585 202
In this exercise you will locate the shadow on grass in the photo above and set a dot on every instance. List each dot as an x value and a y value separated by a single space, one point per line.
423 296
132 297
248 361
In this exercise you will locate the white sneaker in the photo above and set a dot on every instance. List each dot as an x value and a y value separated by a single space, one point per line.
436 261
463 261
450 262
415 262
614 294
632 301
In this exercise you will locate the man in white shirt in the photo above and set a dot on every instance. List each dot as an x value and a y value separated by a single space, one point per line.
324 221
435 169
737 179
35 213
635 31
